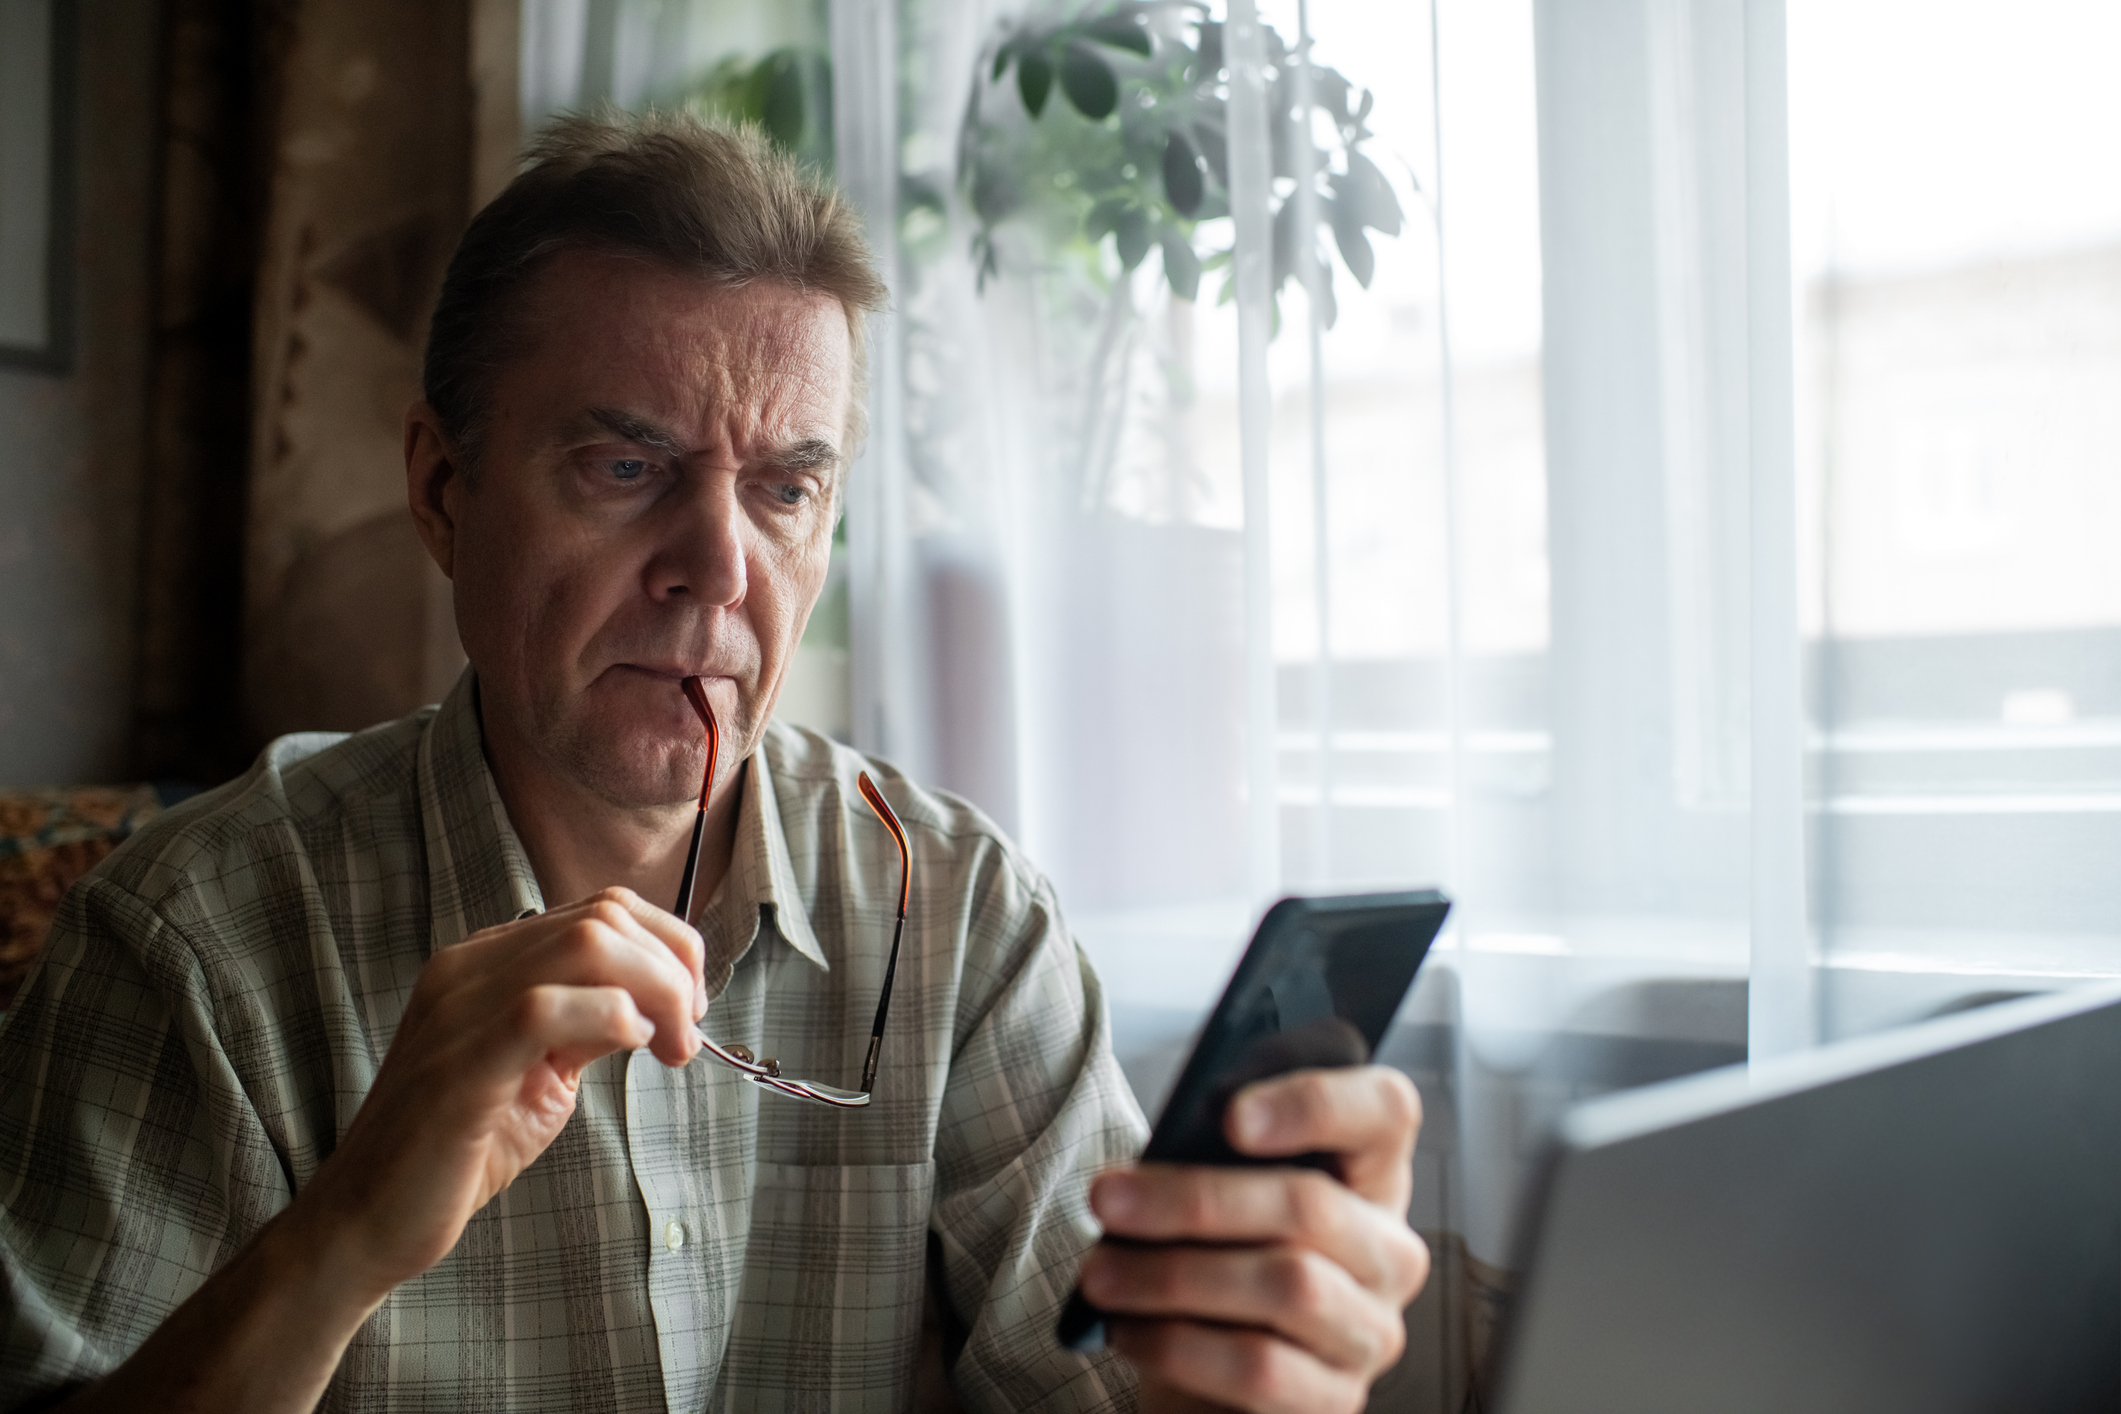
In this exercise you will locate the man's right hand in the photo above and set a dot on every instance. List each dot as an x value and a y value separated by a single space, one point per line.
482 1074
480 1078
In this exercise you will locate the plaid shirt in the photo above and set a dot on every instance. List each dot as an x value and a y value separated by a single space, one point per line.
216 998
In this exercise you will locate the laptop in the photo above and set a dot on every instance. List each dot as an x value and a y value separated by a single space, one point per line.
1927 1220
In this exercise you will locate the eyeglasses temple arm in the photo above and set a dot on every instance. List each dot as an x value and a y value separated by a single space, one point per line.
692 867
697 696
883 810
883 1006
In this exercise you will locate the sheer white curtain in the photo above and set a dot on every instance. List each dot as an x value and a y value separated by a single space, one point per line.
1206 612
1572 637
1693 549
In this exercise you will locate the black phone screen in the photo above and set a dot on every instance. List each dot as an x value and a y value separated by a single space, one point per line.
1319 984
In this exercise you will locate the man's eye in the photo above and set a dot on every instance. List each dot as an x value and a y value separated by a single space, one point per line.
626 468
791 494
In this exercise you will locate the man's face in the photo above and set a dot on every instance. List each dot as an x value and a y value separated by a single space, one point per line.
655 499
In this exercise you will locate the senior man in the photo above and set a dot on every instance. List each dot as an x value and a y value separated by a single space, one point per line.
369 1079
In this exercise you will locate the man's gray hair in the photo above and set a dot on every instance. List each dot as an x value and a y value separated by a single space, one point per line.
721 203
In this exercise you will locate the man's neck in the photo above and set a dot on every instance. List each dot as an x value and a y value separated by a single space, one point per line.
578 842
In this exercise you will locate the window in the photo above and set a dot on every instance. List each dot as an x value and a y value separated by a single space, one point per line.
1958 268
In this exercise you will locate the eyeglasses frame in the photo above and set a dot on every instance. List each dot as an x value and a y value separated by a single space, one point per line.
766 1072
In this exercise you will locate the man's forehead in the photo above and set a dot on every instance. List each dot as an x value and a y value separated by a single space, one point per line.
640 340
639 294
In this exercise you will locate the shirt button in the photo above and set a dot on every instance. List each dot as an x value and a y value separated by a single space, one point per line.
673 1234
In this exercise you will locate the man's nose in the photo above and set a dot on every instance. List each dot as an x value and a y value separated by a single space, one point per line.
702 555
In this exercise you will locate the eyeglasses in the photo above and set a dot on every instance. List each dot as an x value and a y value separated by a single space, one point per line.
766 1072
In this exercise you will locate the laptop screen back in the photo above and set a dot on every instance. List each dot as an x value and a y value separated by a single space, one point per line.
1925 1221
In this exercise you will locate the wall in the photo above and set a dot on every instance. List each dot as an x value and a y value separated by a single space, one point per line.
70 446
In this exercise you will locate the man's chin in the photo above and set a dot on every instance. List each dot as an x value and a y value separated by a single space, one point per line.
634 767
633 784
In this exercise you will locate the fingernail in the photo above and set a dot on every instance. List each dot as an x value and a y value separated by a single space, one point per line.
699 999
1118 1198
1254 1121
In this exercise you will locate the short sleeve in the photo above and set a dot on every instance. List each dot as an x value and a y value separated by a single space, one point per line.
131 1161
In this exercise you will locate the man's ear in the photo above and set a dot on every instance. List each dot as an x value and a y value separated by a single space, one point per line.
434 484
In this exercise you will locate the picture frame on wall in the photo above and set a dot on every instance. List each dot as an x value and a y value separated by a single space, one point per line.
36 184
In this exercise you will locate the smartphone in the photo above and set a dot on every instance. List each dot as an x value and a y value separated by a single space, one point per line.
1318 985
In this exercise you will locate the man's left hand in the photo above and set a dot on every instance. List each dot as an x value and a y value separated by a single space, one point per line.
1271 1289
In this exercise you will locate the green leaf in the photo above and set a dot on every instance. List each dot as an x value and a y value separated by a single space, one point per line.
1181 266
783 115
1104 217
817 109
1286 242
757 84
1121 32
1182 182
1034 80
1132 237
1370 194
1002 56
1087 80
1329 91
1354 245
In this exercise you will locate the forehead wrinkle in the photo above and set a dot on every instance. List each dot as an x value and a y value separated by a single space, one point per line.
736 388
735 375
807 392
769 404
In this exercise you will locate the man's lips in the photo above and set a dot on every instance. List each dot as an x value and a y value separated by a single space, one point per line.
675 673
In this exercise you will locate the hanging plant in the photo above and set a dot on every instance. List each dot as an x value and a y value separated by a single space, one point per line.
1133 156
786 92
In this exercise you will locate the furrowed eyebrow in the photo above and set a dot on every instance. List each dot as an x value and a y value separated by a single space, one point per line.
626 426
810 454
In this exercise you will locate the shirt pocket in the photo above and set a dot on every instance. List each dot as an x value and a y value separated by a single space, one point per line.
834 1273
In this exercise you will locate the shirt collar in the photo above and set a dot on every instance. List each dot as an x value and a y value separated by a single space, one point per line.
477 873
759 891
479 876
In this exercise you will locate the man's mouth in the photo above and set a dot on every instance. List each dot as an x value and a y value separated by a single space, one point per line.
677 673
